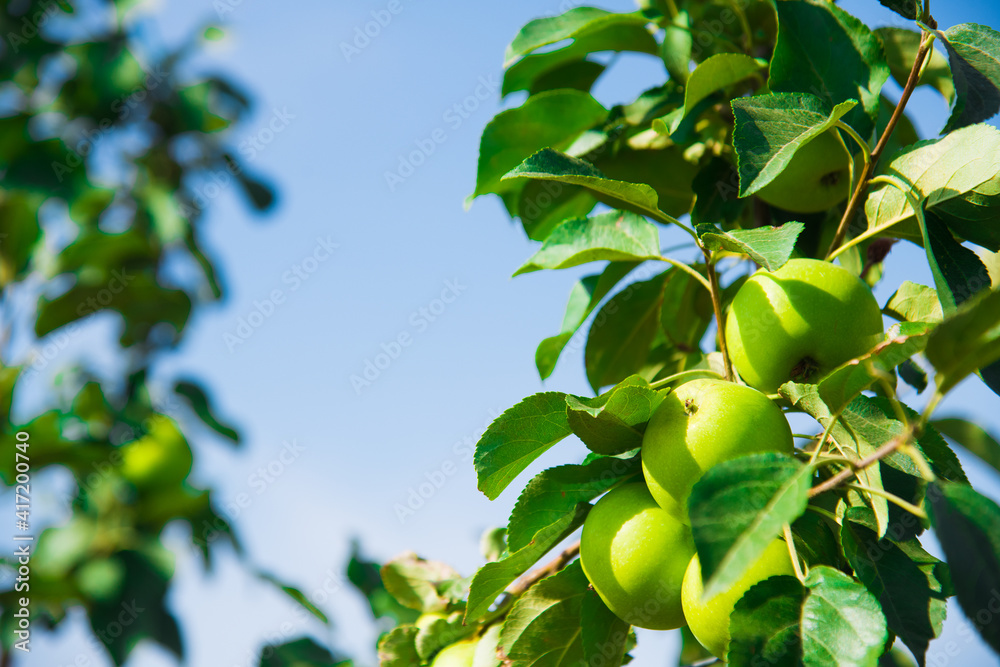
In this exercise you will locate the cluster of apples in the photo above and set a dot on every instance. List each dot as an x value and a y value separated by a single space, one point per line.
796 323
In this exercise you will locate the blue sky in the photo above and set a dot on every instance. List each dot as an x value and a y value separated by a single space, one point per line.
361 267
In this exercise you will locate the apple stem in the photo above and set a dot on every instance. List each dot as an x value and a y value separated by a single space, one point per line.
862 186
713 280
891 497
896 443
792 553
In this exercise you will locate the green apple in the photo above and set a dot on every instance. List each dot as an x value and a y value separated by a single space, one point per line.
799 323
709 619
816 179
635 554
703 423
159 459
460 654
425 620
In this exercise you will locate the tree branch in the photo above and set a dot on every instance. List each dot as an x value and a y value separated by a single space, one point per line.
547 570
713 279
862 186
858 466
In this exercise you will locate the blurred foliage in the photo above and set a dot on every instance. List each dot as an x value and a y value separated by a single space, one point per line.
110 151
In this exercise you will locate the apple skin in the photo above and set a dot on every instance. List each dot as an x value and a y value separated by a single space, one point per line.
634 555
460 654
159 459
799 323
701 424
709 619
816 179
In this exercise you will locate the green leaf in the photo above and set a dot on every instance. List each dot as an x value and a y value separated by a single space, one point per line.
912 598
914 303
624 330
583 299
261 195
973 215
958 272
770 247
553 118
764 626
545 622
940 171
967 340
771 128
913 375
968 527
855 446
901 46
714 73
574 24
842 624
716 189
578 75
615 421
972 437
441 632
486 649
296 595
974 55
614 236
420 584
902 341
539 70
665 169
908 9
141 600
199 402
847 63
398 648
493 543
517 437
303 652
365 576
142 303
676 47
604 635
555 493
815 541
551 165
21 233
492 578
737 509
686 312
873 421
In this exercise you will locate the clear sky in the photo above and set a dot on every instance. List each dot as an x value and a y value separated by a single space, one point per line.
358 263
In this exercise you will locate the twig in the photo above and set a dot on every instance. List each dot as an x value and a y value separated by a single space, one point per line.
857 467
862 187
713 279
891 497
547 570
